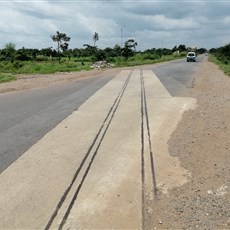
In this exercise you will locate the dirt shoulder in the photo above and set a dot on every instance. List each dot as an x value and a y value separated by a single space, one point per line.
201 142
25 82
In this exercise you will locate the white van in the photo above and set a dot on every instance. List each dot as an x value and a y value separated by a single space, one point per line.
191 56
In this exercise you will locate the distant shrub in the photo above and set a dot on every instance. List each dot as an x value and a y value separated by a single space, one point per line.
150 56
42 58
18 64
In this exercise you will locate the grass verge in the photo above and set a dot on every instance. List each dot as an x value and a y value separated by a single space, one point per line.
225 67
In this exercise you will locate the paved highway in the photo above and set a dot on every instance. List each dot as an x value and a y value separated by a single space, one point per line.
102 165
178 76
27 116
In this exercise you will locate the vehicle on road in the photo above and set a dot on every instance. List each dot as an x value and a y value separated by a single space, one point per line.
191 56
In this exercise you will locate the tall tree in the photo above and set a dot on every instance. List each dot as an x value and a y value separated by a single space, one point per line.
62 42
129 48
89 50
182 48
10 51
95 38
117 50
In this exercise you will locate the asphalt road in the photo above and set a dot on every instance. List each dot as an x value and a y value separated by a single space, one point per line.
178 76
26 116
103 165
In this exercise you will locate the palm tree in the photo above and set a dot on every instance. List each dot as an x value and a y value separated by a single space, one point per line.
95 38
62 42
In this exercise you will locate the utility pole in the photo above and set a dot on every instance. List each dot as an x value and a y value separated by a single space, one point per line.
122 27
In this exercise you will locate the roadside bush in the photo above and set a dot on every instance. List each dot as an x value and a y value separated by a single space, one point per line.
223 65
150 56
85 59
42 58
6 78
22 57
18 64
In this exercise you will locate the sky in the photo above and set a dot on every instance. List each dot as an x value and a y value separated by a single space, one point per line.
152 24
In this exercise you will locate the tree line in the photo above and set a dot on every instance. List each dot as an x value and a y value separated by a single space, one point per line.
10 53
222 53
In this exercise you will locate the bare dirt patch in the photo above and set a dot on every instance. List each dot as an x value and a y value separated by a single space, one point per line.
202 144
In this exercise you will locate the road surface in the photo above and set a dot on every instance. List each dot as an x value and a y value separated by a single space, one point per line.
100 166
26 116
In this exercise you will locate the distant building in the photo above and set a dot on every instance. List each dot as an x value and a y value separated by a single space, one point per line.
192 48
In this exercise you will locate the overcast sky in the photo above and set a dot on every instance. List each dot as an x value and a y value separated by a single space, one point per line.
152 24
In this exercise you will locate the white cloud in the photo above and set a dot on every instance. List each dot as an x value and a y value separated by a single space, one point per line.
151 23
104 27
160 22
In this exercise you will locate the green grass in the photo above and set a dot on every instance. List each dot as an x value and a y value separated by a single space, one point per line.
143 60
6 77
225 67
72 65
34 67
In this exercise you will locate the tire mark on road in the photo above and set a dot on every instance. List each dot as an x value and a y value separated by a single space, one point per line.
95 144
142 153
145 128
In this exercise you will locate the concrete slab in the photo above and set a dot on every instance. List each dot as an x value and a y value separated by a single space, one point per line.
86 172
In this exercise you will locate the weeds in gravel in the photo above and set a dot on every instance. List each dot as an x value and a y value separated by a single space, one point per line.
6 77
